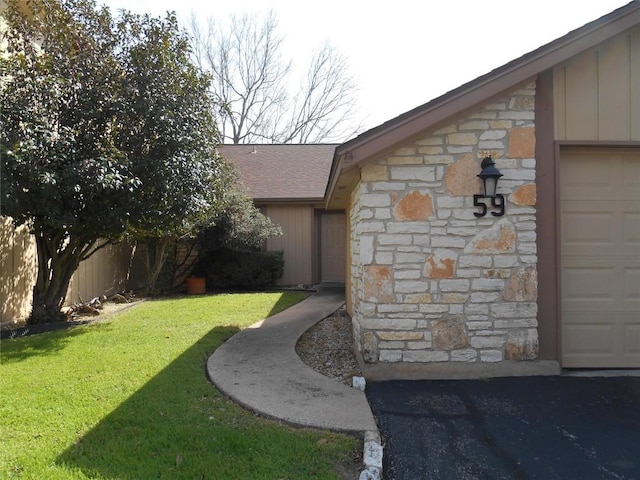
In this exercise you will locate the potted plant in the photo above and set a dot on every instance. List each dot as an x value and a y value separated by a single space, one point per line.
196 285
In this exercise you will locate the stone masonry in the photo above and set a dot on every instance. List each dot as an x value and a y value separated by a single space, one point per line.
431 282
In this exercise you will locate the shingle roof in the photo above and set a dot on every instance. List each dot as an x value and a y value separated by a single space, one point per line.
282 172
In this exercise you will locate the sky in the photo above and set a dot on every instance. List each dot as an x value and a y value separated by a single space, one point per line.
403 53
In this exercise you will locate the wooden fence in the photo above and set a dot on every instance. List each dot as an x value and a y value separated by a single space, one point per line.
105 272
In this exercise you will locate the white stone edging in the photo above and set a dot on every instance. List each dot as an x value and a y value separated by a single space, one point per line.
372 450
372 457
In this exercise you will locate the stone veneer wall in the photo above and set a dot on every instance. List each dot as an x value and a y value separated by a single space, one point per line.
431 282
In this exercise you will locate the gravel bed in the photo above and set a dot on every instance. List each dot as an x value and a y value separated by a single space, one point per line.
327 348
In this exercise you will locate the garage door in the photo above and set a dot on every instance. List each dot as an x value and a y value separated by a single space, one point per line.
600 257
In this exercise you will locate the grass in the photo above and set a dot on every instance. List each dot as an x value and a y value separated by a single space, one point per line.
128 398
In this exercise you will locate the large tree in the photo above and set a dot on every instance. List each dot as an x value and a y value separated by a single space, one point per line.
257 98
168 128
105 130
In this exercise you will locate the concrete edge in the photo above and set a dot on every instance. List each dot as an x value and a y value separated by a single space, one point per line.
285 421
599 372
458 371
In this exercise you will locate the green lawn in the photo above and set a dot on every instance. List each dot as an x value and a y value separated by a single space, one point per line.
128 398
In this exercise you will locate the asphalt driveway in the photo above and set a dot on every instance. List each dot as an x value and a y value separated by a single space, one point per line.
509 428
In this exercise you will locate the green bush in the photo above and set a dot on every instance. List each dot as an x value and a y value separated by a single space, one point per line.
228 269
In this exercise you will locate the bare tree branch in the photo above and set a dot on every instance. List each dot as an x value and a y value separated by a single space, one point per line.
325 105
251 79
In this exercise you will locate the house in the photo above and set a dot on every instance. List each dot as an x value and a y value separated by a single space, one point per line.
287 183
435 291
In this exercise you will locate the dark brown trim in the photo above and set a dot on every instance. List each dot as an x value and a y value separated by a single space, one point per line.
292 201
336 167
558 270
528 66
599 143
546 218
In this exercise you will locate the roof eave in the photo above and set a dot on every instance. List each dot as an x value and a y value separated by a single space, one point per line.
297 201
409 124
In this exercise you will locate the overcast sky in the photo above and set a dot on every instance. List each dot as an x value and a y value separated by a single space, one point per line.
404 53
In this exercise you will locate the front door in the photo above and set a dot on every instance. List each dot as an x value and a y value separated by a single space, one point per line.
333 247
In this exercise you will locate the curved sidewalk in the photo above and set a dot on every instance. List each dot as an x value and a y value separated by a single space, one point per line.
259 369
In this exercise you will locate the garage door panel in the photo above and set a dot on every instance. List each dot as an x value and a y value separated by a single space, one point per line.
631 229
611 269
600 257
579 307
592 312
589 283
584 337
586 189
631 175
590 192
607 225
589 228
595 361
593 171
599 361
590 342
632 283
587 176
632 340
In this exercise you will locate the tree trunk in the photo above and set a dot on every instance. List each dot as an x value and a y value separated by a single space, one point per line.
58 259
155 256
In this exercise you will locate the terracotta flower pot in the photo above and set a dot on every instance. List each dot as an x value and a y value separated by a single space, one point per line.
196 285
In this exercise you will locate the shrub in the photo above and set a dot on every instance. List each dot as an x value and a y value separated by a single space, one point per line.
240 226
228 269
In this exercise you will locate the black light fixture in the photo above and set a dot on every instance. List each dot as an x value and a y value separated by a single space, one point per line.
489 176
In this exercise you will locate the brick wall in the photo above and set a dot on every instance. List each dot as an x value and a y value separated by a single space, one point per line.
431 282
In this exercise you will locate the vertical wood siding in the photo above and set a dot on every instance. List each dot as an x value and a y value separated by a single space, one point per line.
597 93
297 222
17 270
105 272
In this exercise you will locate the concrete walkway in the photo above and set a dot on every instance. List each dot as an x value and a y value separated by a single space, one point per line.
259 369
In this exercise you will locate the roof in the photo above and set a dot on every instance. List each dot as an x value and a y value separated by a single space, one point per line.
395 131
282 173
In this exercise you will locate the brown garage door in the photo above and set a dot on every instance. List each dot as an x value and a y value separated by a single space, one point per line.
600 257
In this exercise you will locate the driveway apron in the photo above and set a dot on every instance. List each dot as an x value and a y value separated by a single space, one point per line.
509 428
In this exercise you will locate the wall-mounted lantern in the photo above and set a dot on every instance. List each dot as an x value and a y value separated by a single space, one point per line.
489 176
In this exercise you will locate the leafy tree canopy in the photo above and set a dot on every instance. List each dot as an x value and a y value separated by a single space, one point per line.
106 130
241 226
